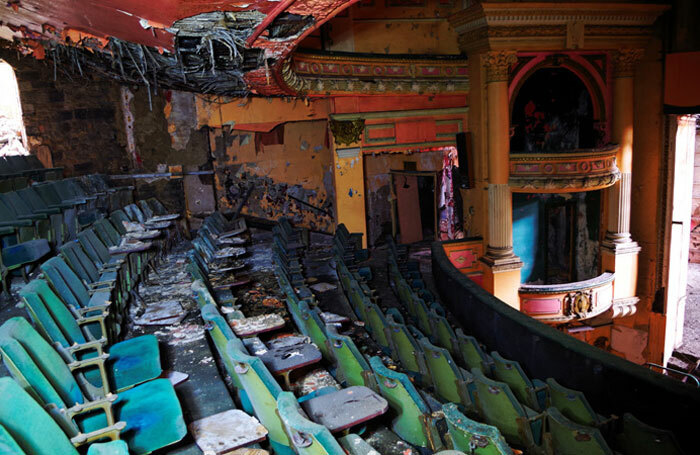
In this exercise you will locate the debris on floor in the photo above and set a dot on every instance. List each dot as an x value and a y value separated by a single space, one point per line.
228 430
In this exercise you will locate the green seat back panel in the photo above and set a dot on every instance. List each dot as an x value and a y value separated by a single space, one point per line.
471 352
314 328
499 407
473 437
569 438
350 362
307 437
641 439
443 370
261 388
571 403
406 403
510 372
66 282
377 323
38 294
28 424
80 262
8 446
442 331
405 347
27 372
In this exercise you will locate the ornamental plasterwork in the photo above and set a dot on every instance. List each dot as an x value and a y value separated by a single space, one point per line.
322 75
571 25
498 64
624 60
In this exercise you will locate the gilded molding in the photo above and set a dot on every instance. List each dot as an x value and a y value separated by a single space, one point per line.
624 61
326 75
498 64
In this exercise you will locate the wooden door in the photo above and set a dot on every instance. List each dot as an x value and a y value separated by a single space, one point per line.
408 205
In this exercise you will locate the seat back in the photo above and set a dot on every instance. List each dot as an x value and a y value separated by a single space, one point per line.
66 282
93 246
106 232
135 213
510 372
471 353
307 437
497 405
443 334
80 262
350 362
29 426
50 314
314 328
404 347
35 364
409 408
444 372
572 404
117 218
641 439
565 437
473 437
376 324
263 390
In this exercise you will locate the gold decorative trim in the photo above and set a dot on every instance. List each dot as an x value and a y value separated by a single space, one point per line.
624 61
498 64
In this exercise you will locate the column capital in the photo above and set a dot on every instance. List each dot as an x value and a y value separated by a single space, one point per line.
624 60
497 64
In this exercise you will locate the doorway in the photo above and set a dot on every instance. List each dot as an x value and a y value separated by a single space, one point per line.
414 205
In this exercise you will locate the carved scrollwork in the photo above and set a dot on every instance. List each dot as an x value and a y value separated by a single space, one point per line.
347 132
498 64
624 61
579 303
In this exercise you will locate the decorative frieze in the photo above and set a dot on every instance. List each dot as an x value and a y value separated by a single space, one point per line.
347 132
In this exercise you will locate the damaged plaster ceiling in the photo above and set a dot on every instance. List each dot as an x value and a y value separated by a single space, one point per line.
175 44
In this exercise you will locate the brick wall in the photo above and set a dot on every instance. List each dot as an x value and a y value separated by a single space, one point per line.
70 123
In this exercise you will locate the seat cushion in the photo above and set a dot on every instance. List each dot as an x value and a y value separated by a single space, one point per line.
134 361
152 414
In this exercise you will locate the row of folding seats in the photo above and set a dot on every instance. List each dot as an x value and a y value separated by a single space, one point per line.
414 417
18 171
495 389
252 366
72 362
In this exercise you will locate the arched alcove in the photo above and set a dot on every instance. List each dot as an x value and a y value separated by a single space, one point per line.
552 112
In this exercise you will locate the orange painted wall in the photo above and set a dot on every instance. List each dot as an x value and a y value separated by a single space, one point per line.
392 27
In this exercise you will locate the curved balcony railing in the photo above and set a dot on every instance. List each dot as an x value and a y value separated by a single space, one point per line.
558 303
611 384
565 172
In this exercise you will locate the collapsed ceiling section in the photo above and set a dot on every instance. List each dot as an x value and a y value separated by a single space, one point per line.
185 45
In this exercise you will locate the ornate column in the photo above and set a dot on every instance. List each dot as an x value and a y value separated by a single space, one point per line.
502 271
619 252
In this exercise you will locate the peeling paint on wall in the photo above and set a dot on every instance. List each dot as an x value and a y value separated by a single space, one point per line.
292 179
126 97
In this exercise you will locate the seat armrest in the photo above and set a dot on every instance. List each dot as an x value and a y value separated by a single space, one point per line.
111 431
99 362
89 309
100 318
97 345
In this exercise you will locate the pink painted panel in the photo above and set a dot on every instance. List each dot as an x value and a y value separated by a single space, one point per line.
541 306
